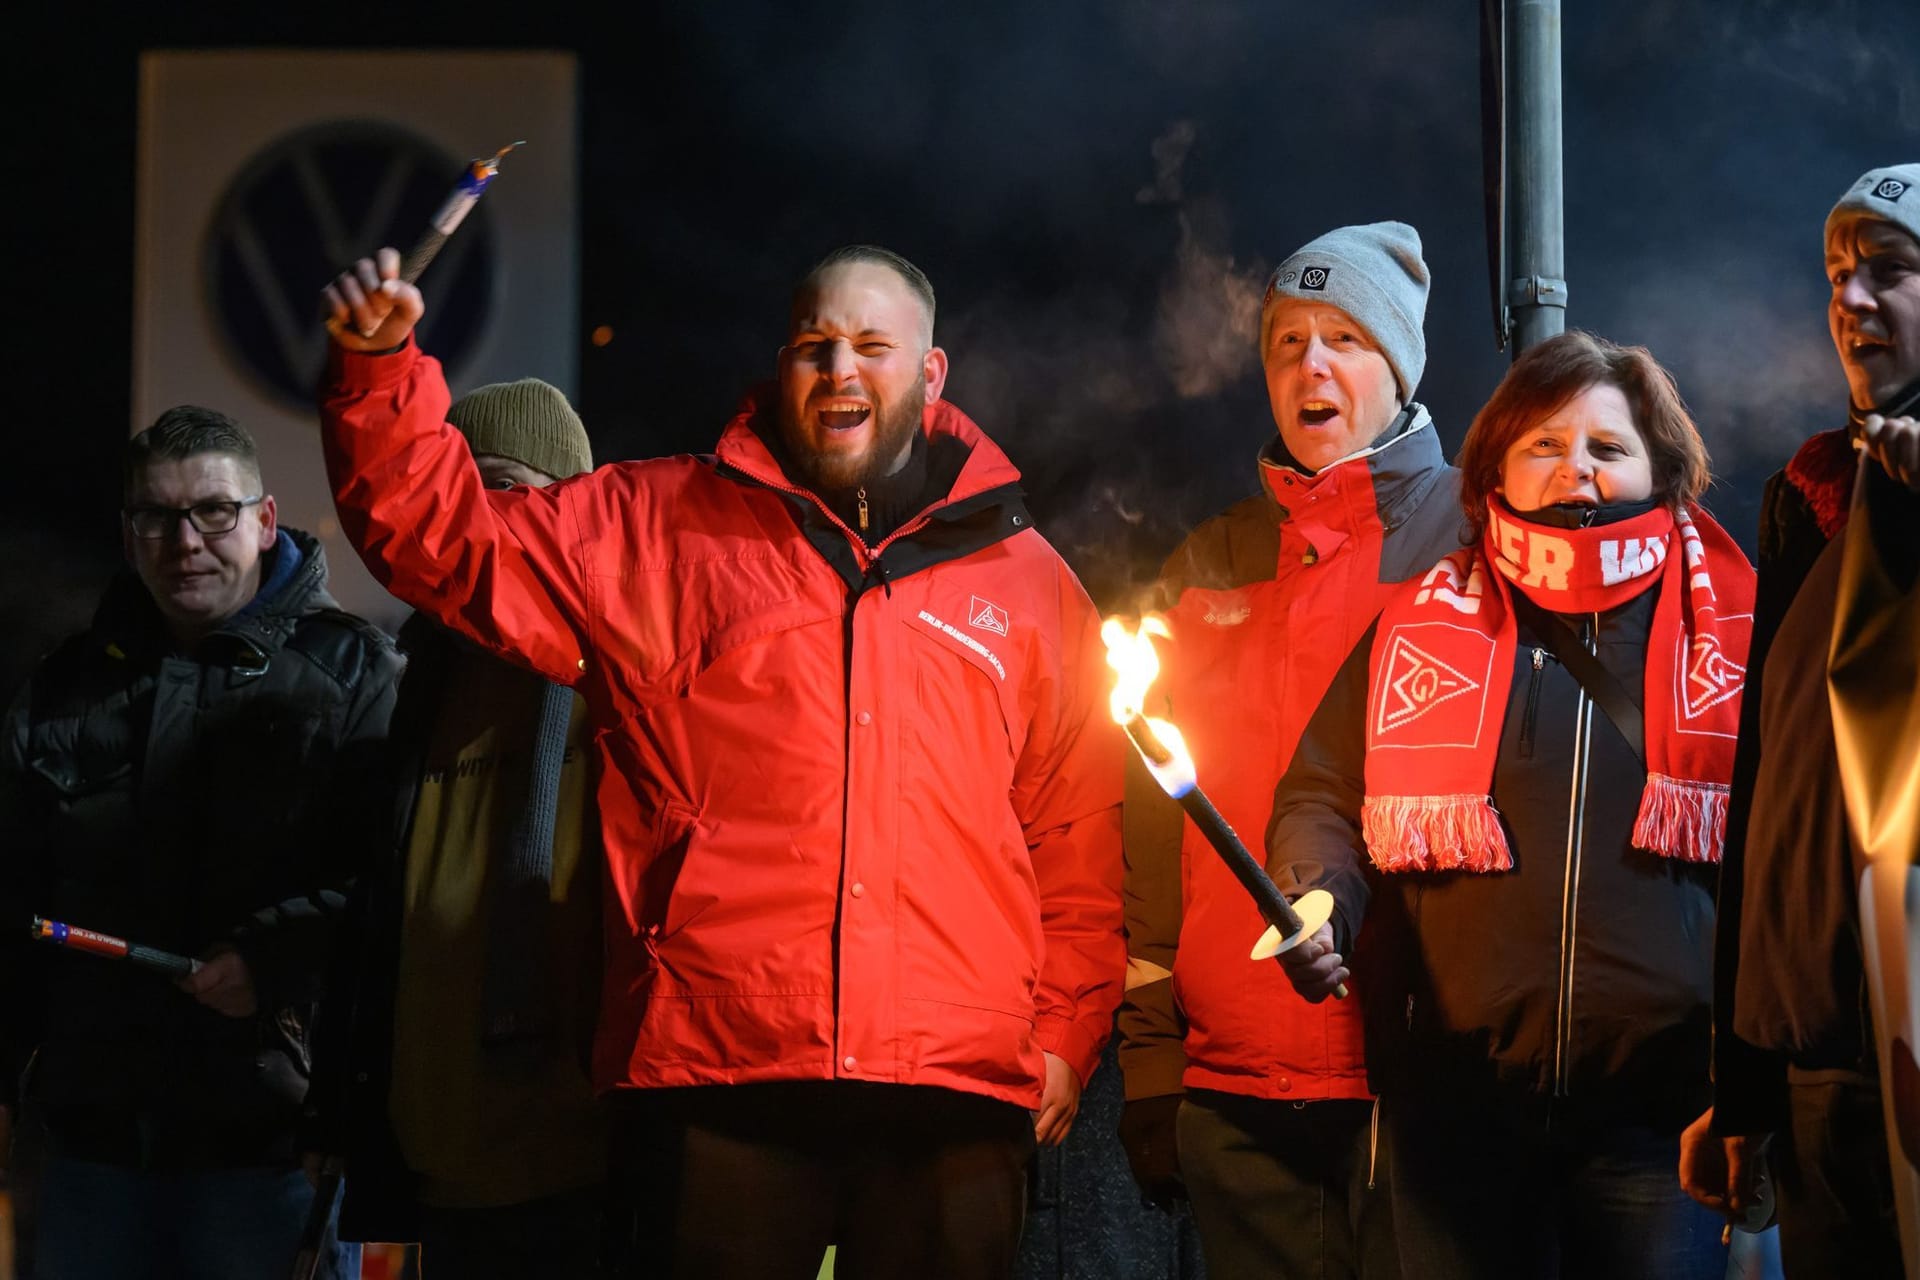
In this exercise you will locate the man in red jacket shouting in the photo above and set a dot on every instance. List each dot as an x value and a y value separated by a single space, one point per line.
859 790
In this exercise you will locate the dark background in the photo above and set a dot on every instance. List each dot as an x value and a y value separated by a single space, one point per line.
1096 189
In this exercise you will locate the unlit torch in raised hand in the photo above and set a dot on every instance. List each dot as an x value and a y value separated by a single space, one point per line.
459 203
1136 665
446 220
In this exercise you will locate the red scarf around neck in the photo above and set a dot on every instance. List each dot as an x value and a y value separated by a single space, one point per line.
1823 470
1443 661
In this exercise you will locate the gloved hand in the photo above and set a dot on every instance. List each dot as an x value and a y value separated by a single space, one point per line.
1147 1133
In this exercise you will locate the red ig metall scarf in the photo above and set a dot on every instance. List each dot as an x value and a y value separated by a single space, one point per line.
1443 660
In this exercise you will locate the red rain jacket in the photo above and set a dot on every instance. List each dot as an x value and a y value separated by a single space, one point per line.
860 808
1264 602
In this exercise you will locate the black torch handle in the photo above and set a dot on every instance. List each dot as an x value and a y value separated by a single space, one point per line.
168 962
1252 876
421 256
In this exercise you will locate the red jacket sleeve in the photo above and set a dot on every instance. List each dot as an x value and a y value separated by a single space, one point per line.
1067 794
501 568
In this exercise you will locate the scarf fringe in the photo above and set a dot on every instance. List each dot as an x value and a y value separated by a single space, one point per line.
1682 819
1435 833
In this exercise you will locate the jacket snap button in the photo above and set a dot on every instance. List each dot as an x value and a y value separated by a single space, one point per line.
865 717
847 1062
1285 1084
859 890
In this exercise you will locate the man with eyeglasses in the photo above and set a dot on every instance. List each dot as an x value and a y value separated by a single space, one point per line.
199 771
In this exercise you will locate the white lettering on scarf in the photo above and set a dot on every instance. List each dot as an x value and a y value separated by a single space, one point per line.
1633 558
1546 557
1443 583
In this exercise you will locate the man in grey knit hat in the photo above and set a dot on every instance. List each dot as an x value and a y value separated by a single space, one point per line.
1240 1096
1794 1036
461 1098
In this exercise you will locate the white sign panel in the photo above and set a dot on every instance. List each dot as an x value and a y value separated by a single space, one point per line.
261 172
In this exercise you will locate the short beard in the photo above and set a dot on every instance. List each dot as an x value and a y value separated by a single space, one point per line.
893 428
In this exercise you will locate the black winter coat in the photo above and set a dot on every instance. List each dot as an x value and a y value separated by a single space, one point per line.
225 797
1791 979
1585 971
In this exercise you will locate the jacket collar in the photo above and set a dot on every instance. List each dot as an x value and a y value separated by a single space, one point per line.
743 447
127 619
1398 469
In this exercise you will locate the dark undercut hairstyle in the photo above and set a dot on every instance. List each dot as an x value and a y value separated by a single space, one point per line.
1548 376
915 278
186 431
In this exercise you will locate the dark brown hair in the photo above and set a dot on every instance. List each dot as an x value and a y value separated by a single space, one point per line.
1549 375
186 431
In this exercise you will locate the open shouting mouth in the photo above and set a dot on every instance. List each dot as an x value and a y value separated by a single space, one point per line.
843 414
1316 413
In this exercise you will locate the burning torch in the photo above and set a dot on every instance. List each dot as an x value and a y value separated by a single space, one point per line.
73 938
1135 664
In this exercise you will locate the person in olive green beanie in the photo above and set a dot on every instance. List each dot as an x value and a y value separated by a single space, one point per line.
526 425
472 1126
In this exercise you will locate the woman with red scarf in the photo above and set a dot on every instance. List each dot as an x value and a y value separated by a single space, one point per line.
1518 786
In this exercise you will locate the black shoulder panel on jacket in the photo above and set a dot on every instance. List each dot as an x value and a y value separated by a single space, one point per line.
1232 549
1433 527
339 643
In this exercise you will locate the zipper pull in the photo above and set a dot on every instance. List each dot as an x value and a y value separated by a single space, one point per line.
1539 658
861 494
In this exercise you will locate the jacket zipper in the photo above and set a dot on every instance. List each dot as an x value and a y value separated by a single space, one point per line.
1570 892
1527 722
866 555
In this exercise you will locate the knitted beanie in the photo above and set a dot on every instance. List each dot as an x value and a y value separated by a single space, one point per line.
1891 194
528 421
1375 274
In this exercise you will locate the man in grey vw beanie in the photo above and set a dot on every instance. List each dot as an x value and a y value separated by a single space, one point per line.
1375 274
1876 331
1833 651
1891 194
1273 1146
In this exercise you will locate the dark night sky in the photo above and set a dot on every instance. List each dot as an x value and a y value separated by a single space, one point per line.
1096 189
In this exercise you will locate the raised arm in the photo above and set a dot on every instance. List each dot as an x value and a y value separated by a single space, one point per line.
503 568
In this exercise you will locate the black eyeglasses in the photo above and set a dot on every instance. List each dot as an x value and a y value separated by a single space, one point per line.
207 518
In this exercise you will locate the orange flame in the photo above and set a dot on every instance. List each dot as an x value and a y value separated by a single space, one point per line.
1136 666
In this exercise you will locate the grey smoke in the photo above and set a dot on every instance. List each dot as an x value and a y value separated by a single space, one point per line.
1169 158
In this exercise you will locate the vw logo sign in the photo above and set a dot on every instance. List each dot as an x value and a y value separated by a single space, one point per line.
311 203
